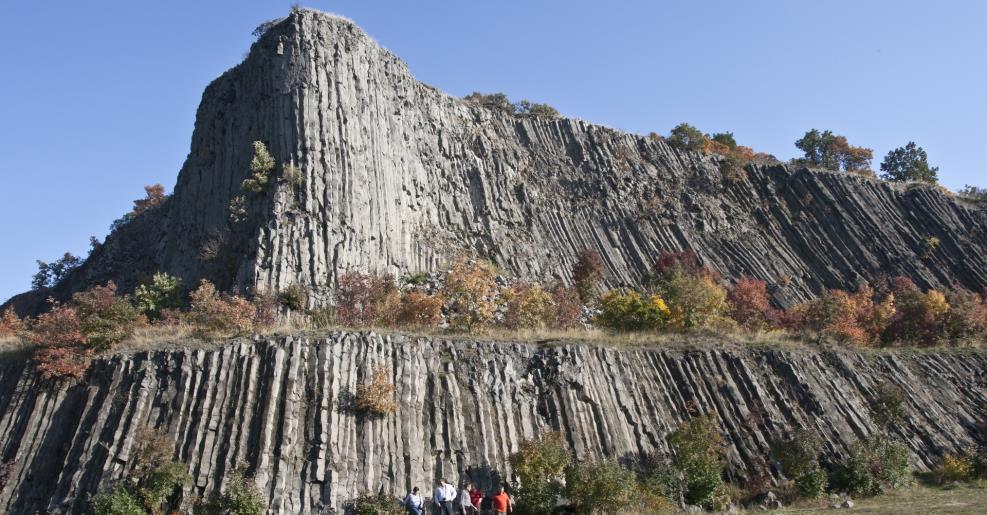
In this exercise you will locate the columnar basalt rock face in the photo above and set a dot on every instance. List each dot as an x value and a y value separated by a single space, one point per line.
399 178
279 409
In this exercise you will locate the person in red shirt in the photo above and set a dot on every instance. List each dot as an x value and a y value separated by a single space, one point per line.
502 502
476 498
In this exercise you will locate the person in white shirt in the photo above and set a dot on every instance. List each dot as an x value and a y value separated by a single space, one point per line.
414 503
465 503
445 494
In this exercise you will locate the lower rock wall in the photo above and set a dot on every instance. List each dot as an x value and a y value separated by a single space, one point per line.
278 409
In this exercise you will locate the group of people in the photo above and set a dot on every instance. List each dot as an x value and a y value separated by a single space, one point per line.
468 501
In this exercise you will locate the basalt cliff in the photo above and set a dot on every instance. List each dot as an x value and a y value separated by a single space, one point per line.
278 408
398 177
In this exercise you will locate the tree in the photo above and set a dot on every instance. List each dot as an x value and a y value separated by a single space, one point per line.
162 292
50 274
600 487
687 137
105 317
154 197
532 109
833 152
726 139
909 163
260 169
540 466
469 290
494 101
588 273
699 455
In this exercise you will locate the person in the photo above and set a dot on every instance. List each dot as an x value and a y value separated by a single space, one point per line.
444 495
502 502
476 498
413 502
465 501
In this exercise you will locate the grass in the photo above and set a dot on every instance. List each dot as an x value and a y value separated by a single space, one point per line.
919 499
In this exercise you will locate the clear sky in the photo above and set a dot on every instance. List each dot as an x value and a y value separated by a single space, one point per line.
98 99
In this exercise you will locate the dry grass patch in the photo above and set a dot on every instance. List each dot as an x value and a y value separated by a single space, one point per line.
918 499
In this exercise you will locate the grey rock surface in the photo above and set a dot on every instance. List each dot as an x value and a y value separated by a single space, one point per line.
277 407
400 178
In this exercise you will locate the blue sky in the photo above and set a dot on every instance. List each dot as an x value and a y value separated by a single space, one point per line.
99 98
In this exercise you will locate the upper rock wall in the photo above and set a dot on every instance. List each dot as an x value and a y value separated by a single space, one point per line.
278 408
400 177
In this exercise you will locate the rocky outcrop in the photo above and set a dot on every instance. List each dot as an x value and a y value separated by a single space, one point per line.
400 177
279 408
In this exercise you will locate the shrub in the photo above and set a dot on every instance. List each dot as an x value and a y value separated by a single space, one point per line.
528 306
687 137
265 309
568 307
875 464
58 327
294 297
954 468
694 301
526 108
420 310
601 487
50 274
210 314
799 458
376 398
632 312
469 290
163 292
698 457
62 362
117 501
966 320
848 318
365 299
909 163
260 169
540 466
888 407
241 498
10 323
587 274
159 485
750 305
495 101
919 317
375 504
292 174
105 317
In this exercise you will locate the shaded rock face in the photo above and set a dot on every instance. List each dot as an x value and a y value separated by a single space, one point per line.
399 178
280 409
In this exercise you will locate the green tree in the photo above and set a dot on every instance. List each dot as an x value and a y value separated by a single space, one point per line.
260 169
833 152
536 110
600 487
117 501
687 137
540 465
105 317
799 458
698 459
725 138
909 163
162 292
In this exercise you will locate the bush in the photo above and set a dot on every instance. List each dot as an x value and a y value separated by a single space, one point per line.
212 315
292 174
687 137
528 307
154 197
568 307
540 466
495 101
376 398
159 485
750 305
420 310
535 110
909 163
375 504
966 321
260 169
954 468
365 299
799 458
603 487
241 498
265 309
587 274
294 297
698 458
11 324
50 274
117 501
632 312
163 292
852 319
469 290
888 407
55 363
919 317
694 301
875 464
62 347
105 317
833 152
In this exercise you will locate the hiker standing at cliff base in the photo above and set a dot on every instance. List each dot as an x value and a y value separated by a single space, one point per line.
476 498
465 504
413 502
502 502
444 495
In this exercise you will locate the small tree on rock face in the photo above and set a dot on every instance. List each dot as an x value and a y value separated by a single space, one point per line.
10 324
568 307
909 163
469 290
420 310
528 307
376 398
213 315
799 457
632 312
260 169
588 273
163 292
687 137
833 152
535 110
750 305
155 196
62 347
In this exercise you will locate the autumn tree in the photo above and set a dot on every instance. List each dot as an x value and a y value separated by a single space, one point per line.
528 307
588 273
212 314
833 152
469 289
909 163
750 305
687 137
105 317
154 197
